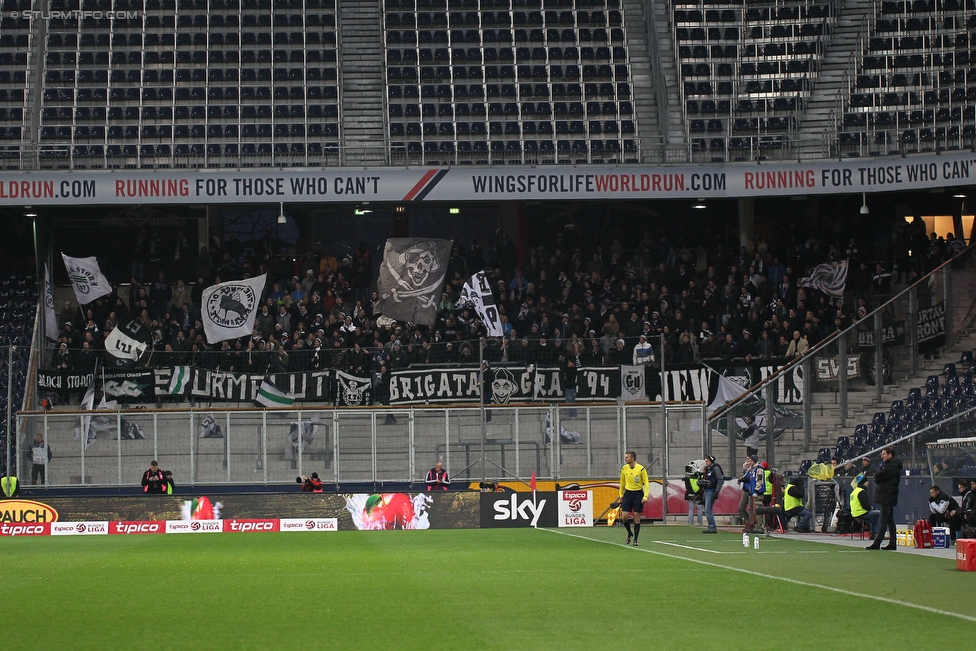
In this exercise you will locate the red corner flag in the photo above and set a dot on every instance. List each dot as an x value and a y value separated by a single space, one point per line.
532 483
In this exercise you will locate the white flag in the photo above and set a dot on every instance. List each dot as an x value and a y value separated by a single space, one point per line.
86 279
50 319
228 309
271 396
85 431
726 391
632 382
830 278
477 292
128 340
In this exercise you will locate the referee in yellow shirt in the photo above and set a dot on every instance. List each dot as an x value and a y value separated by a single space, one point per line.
634 489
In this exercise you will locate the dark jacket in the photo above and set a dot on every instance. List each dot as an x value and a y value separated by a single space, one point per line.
152 482
713 478
969 501
887 480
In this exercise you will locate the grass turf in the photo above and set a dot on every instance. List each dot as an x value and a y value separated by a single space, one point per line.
469 589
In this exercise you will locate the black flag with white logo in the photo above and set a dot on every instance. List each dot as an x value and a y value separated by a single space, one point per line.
411 277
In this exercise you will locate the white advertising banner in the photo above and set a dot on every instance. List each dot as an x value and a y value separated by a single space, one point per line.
95 528
575 509
919 172
308 524
194 526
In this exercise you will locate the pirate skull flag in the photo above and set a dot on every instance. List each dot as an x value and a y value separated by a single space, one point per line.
411 277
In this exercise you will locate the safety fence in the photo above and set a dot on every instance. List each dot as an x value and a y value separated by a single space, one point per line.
342 445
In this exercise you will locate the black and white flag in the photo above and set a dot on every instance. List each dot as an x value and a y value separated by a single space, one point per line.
86 278
477 293
829 278
228 309
411 277
50 319
352 390
128 340
301 436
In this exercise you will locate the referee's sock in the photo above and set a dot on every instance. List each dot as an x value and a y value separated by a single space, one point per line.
627 525
636 531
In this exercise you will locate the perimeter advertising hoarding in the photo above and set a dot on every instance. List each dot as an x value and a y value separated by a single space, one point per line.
510 510
92 528
247 512
18 511
604 492
575 509
515 183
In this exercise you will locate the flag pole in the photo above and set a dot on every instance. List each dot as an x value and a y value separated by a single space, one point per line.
664 431
534 504
484 424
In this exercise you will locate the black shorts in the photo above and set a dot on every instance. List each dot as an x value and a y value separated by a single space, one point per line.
632 501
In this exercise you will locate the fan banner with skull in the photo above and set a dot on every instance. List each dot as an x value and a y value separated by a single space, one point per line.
411 278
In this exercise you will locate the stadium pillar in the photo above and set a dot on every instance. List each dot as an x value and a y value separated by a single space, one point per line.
957 206
747 220
770 424
519 219
203 230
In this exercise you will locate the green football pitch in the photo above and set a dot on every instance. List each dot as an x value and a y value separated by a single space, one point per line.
475 589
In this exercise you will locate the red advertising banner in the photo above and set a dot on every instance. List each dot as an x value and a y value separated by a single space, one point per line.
139 527
39 529
250 525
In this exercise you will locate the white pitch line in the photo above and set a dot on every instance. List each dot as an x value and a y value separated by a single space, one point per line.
697 549
811 552
849 593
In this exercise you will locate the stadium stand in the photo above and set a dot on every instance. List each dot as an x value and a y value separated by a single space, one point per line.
227 83
746 71
940 399
533 83
240 83
913 86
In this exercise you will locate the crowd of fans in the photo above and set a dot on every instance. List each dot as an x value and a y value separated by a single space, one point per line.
574 297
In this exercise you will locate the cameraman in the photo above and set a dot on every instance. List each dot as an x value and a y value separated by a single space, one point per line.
694 494
310 484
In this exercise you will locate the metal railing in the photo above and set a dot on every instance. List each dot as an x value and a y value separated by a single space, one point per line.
256 446
838 376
